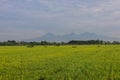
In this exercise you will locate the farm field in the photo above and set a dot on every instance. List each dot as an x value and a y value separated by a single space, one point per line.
84 62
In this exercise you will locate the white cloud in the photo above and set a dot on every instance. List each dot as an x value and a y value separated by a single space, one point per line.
62 15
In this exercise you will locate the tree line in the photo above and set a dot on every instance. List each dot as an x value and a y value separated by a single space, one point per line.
72 42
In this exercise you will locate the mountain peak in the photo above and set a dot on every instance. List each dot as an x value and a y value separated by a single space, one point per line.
88 33
49 34
73 36
72 33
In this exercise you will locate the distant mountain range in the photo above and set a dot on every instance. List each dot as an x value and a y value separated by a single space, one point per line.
73 36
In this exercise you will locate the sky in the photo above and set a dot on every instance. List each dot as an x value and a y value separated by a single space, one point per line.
25 19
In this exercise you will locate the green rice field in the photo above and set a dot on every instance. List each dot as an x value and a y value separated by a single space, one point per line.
84 62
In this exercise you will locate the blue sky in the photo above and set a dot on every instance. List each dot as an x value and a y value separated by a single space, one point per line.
25 19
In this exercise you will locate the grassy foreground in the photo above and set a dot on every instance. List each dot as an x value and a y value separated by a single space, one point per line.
88 62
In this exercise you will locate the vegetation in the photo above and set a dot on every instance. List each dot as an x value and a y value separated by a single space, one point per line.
72 42
77 62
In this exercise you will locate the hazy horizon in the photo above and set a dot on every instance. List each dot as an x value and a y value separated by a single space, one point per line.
25 19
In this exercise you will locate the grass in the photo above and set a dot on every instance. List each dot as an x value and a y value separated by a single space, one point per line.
85 62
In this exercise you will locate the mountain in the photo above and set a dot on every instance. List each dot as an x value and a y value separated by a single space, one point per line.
73 36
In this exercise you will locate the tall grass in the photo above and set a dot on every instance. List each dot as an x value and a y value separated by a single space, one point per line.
88 62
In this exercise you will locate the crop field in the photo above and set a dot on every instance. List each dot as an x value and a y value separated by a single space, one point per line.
84 62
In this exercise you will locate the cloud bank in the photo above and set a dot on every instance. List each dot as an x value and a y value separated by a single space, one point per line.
23 19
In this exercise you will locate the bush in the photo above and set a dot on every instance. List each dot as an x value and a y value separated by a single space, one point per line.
30 46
